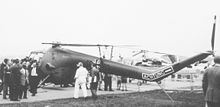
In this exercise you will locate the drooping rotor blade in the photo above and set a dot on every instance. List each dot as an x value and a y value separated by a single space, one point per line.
137 53
85 45
89 45
213 35
160 53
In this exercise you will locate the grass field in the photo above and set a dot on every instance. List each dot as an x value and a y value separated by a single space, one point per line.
155 98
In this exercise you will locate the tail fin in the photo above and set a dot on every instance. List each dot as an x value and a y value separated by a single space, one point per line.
213 34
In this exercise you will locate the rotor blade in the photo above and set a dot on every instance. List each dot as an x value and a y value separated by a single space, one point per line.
90 45
125 45
86 45
137 53
213 34
141 51
160 53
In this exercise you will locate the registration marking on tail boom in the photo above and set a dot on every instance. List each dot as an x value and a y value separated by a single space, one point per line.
158 74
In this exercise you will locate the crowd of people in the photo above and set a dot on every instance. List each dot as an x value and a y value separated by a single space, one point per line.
20 76
17 76
91 78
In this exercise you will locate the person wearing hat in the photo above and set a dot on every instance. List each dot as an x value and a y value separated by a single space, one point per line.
33 78
5 77
80 77
94 81
211 84
14 80
23 81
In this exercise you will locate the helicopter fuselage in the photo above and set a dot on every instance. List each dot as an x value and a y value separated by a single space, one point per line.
61 64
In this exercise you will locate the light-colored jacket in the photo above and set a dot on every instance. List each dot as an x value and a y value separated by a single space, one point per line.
81 74
24 76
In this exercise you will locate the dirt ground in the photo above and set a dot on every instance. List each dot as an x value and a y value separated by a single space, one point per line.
155 98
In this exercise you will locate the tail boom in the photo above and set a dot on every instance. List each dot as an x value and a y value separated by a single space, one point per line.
111 67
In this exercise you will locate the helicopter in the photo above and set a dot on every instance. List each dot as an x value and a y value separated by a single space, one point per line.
58 65
36 54
162 59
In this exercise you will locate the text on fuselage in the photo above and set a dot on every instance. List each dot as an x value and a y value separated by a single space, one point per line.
157 75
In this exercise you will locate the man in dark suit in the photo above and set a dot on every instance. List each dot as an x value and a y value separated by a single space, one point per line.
14 87
6 77
33 77
94 73
211 84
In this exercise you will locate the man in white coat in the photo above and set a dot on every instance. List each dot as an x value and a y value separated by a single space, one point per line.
80 76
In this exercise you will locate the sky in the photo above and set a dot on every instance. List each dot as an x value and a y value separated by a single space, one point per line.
181 27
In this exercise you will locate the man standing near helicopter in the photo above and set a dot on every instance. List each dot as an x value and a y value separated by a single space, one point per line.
80 76
95 79
211 84
33 77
